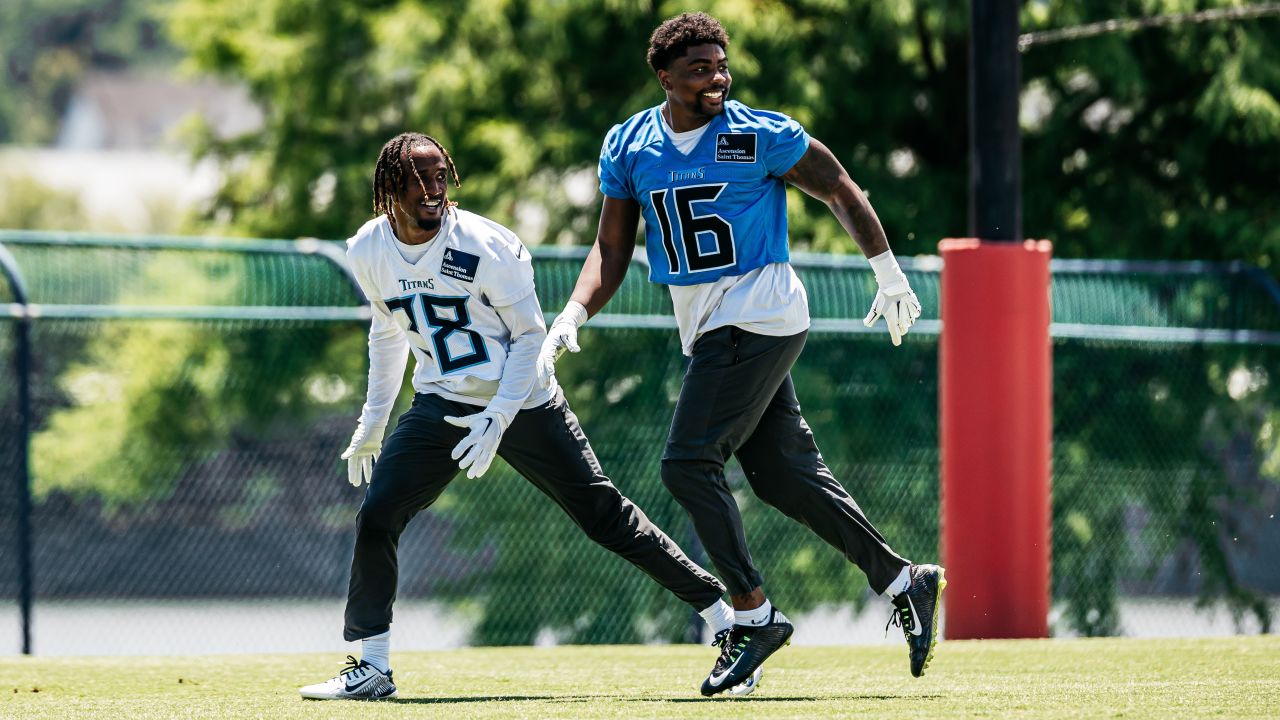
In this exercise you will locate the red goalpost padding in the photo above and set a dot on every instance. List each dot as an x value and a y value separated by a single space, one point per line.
995 415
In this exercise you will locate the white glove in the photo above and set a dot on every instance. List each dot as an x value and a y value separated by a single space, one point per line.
562 336
365 447
895 301
480 445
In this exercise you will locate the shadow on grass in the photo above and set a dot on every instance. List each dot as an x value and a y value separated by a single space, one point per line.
496 698
790 698
623 698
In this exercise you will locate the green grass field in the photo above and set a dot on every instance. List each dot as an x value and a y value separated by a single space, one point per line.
1227 677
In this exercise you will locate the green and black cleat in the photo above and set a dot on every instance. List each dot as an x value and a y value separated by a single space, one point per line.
743 648
916 610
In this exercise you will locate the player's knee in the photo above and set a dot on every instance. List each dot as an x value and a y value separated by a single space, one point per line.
680 476
774 497
778 495
688 481
612 538
376 516
609 525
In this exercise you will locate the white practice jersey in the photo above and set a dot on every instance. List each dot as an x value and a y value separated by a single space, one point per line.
444 304
769 300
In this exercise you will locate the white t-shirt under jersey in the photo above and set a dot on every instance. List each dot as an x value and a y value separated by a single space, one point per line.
457 308
769 300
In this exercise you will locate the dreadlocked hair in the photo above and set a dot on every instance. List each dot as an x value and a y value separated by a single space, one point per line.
675 36
388 174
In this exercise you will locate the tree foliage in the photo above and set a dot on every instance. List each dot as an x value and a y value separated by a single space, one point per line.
1156 144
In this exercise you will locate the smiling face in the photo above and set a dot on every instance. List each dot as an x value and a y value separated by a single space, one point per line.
424 189
697 85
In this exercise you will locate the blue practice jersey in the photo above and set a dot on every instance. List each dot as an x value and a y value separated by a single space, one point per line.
721 209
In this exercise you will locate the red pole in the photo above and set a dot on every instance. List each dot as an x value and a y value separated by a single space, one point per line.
995 412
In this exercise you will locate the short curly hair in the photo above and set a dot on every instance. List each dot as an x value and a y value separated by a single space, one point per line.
677 35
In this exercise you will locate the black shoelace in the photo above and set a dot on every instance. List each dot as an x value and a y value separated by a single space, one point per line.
730 649
722 637
351 666
901 617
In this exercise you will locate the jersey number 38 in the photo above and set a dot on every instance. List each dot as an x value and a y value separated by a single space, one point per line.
442 316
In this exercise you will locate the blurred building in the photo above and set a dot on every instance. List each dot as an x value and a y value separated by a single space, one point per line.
119 150
139 112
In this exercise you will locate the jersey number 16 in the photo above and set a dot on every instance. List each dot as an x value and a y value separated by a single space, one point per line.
692 226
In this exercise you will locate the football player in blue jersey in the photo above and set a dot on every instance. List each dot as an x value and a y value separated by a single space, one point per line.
456 291
708 175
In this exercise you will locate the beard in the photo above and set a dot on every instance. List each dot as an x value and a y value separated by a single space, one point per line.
428 224
706 107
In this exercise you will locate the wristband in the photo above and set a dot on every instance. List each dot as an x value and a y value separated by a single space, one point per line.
886 267
574 313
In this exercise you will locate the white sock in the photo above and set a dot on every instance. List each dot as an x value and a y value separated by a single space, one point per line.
759 616
718 616
376 651
899 584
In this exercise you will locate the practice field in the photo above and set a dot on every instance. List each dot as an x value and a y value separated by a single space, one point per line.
1235 677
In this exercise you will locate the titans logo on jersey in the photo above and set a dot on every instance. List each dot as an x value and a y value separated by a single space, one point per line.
444 302
721 209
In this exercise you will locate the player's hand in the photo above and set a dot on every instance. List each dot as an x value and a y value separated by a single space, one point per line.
480 445
563 335
365 447
899 307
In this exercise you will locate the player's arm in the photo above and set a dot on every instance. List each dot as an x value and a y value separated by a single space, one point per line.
388 355
820 175
606 264
601 276
524 322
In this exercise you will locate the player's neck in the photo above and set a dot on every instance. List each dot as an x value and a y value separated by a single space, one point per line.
682 121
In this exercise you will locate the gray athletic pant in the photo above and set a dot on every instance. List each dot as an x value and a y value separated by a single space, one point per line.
738 399
545 445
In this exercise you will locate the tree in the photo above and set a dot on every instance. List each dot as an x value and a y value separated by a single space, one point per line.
1156 144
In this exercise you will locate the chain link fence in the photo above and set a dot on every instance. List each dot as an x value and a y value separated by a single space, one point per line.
190 399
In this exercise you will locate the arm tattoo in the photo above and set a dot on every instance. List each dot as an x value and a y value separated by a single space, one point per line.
819 174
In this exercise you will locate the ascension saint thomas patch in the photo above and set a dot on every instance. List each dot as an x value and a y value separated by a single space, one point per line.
736 147
457 264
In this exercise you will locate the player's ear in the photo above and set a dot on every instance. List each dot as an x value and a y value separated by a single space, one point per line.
664 79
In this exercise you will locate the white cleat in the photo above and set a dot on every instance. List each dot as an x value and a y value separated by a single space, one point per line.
748 686
358 681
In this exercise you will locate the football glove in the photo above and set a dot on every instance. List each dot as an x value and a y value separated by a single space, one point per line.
563 335
478 448
894 301
365 447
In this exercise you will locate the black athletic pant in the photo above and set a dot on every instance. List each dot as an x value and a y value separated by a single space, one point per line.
545 445
738 399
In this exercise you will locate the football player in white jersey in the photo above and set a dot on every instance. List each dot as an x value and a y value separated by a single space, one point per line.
456 290
709 175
